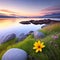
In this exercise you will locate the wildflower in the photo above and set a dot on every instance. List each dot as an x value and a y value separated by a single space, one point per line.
55 37
38 46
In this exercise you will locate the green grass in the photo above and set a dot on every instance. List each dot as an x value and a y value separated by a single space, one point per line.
50 52
51 29
3 47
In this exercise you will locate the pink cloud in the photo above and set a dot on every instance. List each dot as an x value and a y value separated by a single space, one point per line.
50 10
3 10
8 12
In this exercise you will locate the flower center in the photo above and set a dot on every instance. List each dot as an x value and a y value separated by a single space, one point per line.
38 46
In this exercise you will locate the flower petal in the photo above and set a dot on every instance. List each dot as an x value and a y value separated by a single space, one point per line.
43 46
39 42
42 43
34 47
37 50
35 43
40 50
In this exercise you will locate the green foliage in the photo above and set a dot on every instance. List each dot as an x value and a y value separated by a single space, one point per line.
26 45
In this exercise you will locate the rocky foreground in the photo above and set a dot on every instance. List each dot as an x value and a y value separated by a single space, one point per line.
21 37
45 21
23 50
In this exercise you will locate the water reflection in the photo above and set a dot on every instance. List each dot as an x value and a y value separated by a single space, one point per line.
10 25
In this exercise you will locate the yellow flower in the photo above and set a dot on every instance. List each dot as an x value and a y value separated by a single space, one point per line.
38 46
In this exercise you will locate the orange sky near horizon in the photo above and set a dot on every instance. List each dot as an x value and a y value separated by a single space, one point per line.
20 13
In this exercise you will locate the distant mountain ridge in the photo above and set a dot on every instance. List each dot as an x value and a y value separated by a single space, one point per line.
4 16
54 15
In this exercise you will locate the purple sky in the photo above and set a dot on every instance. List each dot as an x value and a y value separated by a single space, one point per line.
29 7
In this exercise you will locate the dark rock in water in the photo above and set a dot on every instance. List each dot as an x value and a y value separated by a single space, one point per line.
7 38
15 54
25 22
21 37
31 21
45 21
38 35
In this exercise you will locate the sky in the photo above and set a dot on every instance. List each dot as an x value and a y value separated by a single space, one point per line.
29 7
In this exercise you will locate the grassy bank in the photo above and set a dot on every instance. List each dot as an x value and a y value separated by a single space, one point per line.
50 52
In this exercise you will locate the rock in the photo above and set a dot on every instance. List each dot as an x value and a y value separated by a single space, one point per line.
7 38
45 21
44 25
31 32
21 37
15 54
25 22
38 35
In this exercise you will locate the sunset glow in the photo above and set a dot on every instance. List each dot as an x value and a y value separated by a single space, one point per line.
29 7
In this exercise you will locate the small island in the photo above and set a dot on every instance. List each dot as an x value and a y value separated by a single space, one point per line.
45 21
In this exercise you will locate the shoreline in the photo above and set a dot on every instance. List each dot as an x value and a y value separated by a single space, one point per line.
36 22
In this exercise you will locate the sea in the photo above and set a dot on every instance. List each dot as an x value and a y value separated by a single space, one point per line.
12 25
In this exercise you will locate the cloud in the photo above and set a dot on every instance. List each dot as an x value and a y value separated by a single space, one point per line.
8 12
54 8
50 10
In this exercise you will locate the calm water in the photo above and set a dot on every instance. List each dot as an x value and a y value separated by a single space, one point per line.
9 25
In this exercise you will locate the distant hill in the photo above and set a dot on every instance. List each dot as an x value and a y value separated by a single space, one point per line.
54 15
1 16
6 16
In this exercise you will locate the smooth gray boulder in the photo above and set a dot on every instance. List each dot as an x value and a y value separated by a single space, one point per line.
7 38
21 37
15 54
31 32
38 35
